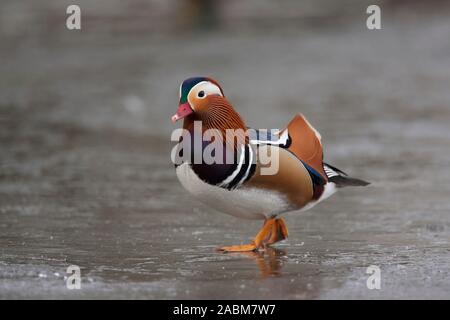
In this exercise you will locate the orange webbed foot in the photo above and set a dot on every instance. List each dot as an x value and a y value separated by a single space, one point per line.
273 230
238 248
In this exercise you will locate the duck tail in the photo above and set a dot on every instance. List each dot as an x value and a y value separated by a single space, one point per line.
341 179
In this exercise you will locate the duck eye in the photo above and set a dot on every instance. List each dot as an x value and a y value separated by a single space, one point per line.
201 94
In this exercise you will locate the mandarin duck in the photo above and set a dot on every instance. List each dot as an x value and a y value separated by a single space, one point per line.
246 187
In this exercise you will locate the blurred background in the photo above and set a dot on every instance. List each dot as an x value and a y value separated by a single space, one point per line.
85 171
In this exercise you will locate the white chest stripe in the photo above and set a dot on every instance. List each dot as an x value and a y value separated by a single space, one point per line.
237 170
250 161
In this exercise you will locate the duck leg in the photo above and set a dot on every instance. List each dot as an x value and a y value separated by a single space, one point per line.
273 230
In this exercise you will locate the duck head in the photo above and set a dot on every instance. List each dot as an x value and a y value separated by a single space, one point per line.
195 96
202 98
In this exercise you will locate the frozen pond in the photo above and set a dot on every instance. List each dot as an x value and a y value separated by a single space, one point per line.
86 177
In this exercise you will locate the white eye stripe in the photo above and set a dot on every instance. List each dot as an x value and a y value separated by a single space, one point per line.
207 87
210 88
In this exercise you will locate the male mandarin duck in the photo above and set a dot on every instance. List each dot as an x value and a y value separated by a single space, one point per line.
241 187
